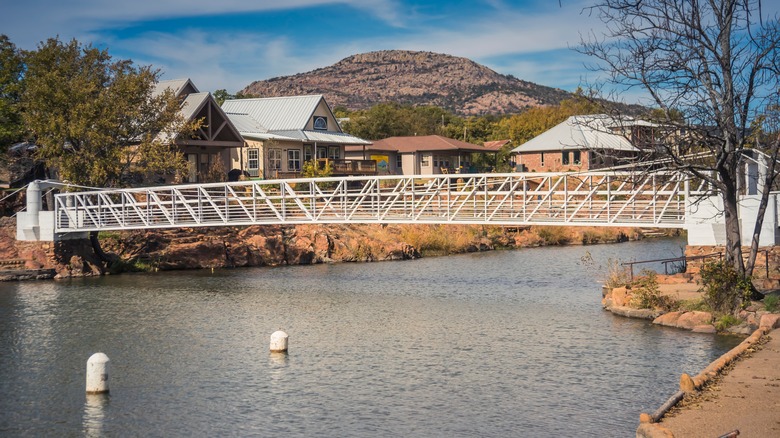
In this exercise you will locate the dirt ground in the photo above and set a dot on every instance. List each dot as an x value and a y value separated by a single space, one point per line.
744 398
747 399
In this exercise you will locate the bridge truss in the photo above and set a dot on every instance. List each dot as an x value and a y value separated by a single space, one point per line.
597 198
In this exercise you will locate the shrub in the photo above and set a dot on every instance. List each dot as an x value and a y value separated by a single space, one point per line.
696 304
725 290
552 235
215 173
645 293
726 321
310 169
771 303
617 274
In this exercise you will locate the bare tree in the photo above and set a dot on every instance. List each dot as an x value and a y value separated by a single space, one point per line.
715 62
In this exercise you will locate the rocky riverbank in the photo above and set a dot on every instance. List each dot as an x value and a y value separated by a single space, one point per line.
274 245
682 300
697 406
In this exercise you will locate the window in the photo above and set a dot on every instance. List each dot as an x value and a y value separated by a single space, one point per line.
274 159
322 152
425 161
399 161
293 160
565 157
541 159
253 161
307 152
577 159
192 168
320 123
334 152
205 163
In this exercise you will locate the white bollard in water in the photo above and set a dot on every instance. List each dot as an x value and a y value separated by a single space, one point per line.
97 373
279 342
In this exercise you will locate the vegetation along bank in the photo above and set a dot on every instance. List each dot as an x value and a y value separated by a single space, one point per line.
230 247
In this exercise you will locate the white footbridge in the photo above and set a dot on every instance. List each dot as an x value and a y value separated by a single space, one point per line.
660 199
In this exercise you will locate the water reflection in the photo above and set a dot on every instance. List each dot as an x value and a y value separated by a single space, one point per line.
95 408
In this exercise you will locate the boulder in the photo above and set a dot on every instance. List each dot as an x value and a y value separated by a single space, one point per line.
668 319
689 320
620 297
771 320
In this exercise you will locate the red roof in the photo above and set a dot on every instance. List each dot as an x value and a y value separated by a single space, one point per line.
424 143
495 145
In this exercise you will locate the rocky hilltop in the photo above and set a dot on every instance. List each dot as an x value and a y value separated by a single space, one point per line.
417 78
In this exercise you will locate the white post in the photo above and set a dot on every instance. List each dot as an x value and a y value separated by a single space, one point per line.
33 201
279 342
97 373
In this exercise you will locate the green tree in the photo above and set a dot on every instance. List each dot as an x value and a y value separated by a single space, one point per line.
221 96
11 70
380 121
98 120
340 112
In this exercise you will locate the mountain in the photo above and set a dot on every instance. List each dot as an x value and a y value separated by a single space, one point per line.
417 78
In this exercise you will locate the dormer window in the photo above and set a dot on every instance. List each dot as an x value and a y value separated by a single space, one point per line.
320 123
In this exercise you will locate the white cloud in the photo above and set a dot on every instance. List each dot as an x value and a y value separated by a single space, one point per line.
224 60
24 21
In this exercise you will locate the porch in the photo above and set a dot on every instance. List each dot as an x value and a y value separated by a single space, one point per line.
339 167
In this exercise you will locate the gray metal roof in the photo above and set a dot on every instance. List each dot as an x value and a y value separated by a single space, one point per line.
580 132
176 85
282 118
277 113
246 124
192 103
323 137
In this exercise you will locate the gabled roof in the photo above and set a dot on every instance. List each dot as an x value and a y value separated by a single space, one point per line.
277 113
196 105
192 103
581 132
284 118
495 145
176 85
426 143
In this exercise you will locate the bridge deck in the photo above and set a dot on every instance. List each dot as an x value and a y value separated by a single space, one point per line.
603 199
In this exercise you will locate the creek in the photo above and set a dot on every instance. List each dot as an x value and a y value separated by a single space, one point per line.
501 343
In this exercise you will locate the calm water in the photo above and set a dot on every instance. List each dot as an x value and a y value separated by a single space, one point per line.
504 343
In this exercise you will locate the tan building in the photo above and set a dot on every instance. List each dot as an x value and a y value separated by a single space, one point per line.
211 146
587 143
420 155
283 133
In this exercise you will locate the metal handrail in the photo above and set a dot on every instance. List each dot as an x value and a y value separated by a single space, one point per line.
685 259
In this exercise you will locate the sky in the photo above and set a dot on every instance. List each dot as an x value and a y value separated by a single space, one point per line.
228 44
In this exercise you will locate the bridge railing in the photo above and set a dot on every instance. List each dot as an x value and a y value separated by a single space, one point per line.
607 199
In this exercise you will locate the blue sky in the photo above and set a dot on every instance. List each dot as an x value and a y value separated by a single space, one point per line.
230 43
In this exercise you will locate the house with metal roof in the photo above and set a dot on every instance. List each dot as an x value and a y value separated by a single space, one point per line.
586 143
283 133
420 155
210 148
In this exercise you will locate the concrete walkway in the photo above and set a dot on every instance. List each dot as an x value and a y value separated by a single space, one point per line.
746 398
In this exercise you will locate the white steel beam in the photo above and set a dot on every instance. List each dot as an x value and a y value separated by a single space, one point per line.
597 198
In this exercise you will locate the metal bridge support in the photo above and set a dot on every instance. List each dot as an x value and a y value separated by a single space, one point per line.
37 225
706 225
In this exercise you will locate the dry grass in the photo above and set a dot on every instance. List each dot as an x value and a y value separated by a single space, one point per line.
442 239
